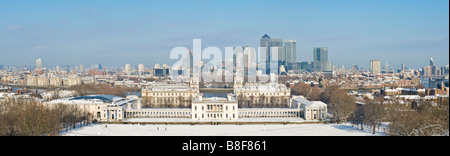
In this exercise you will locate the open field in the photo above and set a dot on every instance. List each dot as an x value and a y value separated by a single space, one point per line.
221 130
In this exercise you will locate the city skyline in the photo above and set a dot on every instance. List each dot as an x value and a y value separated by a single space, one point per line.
117 33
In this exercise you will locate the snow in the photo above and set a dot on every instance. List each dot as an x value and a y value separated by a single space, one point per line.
222 130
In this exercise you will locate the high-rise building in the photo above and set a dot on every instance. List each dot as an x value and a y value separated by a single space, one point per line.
320 60
432 63
269 44
127 69
278 44
141 69
445 70
290 47
402 68
38 63
266 42
375 66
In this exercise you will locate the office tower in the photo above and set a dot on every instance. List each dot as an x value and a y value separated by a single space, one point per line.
269 44
445 70
290 47
81 68
402 68
320 60
375 66
386 67
2 67
38 63
127 69
278 44
266 42
432 63
141 69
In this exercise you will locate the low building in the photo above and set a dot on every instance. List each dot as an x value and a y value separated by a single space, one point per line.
272 94
215 108
101 107
311 110
163 95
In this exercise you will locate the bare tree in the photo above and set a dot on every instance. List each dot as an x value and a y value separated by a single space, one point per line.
374 113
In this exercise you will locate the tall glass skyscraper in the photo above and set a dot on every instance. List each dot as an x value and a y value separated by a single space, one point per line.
320 59
266 42
269 43
290 47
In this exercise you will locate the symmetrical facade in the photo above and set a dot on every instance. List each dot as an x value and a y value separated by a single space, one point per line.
311 110
168 95
260 95
215 108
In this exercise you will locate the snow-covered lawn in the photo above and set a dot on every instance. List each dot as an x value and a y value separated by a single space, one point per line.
221 130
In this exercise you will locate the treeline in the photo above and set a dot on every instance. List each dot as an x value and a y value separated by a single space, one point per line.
417 118
31 118
89 89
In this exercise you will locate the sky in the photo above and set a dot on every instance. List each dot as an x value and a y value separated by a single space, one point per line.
117 32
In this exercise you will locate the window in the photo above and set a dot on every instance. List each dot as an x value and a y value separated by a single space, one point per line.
195 107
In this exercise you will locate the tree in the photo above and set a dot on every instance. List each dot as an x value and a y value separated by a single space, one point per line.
341 104
358 116
314 94
427 119
374 113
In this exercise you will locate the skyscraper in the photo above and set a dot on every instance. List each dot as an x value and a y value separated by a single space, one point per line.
141 69
269 44
320 60
127 69
38 63
375 66
266 42
278 44
290 47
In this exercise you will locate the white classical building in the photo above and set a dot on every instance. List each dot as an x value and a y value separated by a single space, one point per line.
311 110
263 94
168 95
101 107
215 108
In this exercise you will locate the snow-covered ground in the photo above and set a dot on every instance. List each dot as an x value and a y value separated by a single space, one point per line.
222 130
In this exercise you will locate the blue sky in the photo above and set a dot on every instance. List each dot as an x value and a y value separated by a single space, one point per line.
113 32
